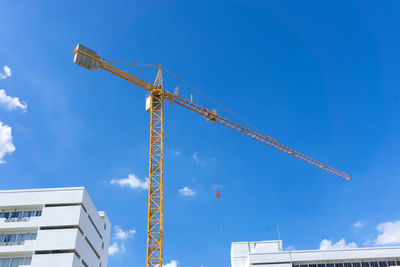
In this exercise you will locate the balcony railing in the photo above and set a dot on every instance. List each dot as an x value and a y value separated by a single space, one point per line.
24 219
16 243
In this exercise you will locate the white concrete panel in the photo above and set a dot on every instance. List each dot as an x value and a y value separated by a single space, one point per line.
272 257
106 237
92 211
351 254
86 252
41 196
274 265
57 216
56 239
27 247
33 222
56 260
90 232
240 262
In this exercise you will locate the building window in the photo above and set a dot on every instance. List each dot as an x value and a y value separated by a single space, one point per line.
17 216
15 262
354 264
105 226
15 239
102 245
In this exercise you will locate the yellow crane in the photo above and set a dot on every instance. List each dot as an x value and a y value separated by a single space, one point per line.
89 59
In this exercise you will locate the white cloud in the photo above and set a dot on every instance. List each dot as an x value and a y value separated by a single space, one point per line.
122 235
6 144
173 263
327 244
389 233
176 152
132 181
7 72
186 191
358 224
115 248
11 103
195 156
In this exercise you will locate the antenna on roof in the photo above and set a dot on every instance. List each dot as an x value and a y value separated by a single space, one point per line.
279 235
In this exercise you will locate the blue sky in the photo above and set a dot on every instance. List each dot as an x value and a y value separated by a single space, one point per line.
321 77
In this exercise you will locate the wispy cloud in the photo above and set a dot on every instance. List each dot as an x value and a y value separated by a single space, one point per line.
115 249
7 72
328 244
122 235
132 181
176 152
389 233
358 224
11 103
195 156
186 191
173 263
202 160
6 143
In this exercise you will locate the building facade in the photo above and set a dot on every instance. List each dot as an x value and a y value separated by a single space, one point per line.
52 228
271 254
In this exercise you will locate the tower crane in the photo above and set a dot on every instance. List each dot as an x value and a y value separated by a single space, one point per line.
89 59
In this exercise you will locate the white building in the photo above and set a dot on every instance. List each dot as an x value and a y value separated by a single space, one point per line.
52 228
271 254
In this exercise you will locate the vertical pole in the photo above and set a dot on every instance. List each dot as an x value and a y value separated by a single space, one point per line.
155 204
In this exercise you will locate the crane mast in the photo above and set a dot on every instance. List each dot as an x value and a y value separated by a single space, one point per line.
155 208
88 58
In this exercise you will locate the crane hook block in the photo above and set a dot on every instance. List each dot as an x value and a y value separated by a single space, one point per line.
85 61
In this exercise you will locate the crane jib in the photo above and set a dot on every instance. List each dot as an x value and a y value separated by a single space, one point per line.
89 59
253 134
